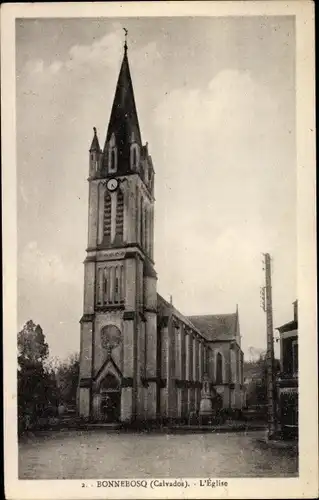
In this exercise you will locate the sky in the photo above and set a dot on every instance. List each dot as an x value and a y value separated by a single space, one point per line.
216 104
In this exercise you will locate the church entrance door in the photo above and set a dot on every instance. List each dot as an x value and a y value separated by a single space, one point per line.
110 391
110 406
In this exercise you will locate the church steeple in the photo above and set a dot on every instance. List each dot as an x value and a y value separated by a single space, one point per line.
123 129
119 326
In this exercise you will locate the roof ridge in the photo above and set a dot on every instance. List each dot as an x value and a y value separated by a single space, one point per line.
211 315
216 326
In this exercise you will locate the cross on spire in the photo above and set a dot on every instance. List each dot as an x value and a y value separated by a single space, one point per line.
125 39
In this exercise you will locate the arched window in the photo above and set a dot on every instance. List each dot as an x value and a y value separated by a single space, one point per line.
146 230
107 214
146 178
112 284
118 285
137 222
150 232
146 236
122 284
112 160
134 156
117 289
119 214
100 287
219 369
142 223
106 287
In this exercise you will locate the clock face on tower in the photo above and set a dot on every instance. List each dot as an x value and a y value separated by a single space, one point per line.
112 184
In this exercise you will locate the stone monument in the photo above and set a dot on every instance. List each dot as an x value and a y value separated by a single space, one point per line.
206 412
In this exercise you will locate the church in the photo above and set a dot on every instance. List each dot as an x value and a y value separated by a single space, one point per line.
140 358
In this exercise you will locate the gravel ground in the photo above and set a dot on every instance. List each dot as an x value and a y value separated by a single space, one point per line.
100 454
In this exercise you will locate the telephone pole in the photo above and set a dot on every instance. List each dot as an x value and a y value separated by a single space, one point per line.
266 297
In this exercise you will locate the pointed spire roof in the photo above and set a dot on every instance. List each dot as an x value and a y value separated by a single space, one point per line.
95 146
124 121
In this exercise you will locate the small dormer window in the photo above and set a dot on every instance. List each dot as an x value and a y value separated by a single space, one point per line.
112 161
134 156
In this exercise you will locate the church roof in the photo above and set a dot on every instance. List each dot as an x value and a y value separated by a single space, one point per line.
163 305
217 326
124 121
211 327
288 327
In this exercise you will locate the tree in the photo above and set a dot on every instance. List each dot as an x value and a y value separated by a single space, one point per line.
256 373
36 384
32 346
67 376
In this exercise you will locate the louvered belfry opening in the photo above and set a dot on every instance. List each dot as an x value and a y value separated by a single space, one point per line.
107 215
119 214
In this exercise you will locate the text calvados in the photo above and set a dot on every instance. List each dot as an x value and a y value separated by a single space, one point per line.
140 483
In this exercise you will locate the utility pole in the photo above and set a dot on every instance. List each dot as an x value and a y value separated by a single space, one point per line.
266 299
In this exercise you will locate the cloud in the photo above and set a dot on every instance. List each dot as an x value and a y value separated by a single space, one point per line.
230 113
104 52
49 292
231 142
221 140
34 66
228 137
73 90
56 66
40 267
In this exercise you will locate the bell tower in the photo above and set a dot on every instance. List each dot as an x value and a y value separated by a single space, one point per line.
119 326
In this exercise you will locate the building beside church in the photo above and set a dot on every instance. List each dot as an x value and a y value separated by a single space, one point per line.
140 358
287 381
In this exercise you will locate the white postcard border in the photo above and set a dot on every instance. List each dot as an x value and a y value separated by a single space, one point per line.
306 484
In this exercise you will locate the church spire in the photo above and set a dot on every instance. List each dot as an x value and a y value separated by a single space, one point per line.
95 146
123 128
